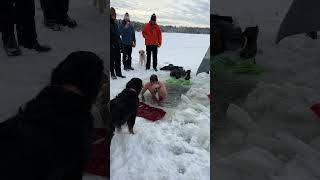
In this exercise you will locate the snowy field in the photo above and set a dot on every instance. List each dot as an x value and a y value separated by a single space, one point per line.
176 147
21 78
273 134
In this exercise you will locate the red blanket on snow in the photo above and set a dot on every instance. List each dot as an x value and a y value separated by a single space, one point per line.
99 163
150 113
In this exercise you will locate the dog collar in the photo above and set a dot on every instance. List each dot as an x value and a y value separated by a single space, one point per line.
72 89
132 89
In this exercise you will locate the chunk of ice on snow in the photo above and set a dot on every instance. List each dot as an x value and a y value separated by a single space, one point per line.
306 154
254 161
242 118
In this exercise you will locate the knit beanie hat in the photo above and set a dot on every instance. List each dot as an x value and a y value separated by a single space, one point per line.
126 17
153 17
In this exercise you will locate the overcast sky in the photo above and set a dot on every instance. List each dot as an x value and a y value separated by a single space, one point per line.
194 13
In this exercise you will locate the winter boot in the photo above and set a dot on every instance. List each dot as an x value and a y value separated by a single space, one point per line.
175 73
312 35
11 47
121 76
113 76
188 72
250 49
52 24
217 47
71 23
40 48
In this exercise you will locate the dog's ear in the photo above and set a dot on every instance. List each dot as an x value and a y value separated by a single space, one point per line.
82 69
136 84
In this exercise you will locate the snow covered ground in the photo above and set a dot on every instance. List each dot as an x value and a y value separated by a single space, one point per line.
177 146
273 134
21 78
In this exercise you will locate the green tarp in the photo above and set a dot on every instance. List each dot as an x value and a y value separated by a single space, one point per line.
181 82
235 65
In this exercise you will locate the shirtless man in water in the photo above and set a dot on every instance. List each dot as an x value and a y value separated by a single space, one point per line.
156 88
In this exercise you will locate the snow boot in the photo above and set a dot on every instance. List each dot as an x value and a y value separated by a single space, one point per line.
188 72
40 48
52 24
113 76
155 69
121 76
71 23
216 42
11 47
175 73
312 35
250 49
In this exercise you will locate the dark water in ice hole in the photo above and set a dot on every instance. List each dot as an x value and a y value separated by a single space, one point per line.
174 95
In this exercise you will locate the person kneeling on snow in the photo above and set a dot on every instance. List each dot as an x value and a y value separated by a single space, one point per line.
124 106
156 88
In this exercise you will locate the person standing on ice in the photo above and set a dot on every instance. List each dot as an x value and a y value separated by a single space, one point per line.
19 15
156 88
55 14
153 40
116 45
128 41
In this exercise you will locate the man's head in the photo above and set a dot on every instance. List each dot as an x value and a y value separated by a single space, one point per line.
126 17
153 78
153 19
113 13
81 69
136 84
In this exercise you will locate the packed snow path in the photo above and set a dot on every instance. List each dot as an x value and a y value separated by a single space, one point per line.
177 146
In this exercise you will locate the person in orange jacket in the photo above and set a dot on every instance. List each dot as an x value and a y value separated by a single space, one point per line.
153 39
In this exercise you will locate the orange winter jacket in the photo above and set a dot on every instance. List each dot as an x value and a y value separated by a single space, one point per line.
152 34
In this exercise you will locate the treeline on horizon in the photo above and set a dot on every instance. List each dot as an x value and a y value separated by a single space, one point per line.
138 26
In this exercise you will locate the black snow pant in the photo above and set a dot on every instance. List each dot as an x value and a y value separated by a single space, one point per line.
55 10
127 59
115 62
21 13
154 50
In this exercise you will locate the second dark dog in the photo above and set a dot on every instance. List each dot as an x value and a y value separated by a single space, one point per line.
124 106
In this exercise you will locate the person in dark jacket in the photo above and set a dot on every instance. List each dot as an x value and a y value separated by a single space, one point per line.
124 106
128 41
50 137
116 46
55 14
21 14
